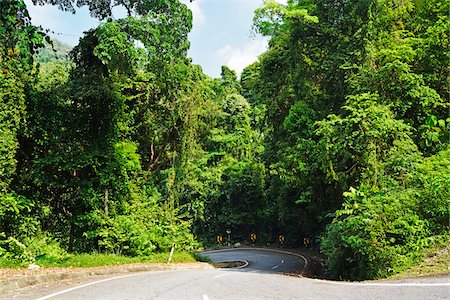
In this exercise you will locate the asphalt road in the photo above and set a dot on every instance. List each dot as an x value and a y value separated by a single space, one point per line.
261 260
261 279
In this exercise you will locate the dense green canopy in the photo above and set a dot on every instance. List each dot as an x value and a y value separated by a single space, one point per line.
339 132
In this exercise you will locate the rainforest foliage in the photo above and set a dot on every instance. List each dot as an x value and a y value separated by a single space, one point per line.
339 132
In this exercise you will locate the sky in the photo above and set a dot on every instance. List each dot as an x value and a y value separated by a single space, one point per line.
221 34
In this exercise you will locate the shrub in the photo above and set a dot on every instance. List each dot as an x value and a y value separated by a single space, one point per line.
431 179
374 235
146 227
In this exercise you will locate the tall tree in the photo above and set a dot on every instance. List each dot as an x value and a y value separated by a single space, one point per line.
348 93
19 39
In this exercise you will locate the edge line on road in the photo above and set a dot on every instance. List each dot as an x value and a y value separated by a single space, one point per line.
230 261
104 280
85 285
407 284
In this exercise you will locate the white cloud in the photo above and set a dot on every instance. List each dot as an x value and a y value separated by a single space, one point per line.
239 58
199 18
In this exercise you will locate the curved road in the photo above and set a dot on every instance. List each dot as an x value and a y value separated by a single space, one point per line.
261 260
259 280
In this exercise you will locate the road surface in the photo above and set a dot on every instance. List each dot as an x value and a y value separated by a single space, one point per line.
261 279
261 260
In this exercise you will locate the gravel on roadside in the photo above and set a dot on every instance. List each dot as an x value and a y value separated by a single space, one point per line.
11 279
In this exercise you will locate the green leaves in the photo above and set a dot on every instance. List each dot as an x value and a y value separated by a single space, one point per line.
114 48
434 134
273 16
355 98
18 41
362 137
365 230
384 231
341 124
268 18
126 155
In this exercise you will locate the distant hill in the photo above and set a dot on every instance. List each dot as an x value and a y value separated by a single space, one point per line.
47 54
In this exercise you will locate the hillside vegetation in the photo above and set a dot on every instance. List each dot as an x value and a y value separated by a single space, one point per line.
339 133
56 52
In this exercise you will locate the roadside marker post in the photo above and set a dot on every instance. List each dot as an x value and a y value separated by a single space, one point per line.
171 254
229 237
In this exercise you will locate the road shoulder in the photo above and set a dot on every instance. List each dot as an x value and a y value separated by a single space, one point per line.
12 279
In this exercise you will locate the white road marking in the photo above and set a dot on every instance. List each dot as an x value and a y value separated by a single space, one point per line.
85 285
407 284
412 284
205 297
274 267
221 275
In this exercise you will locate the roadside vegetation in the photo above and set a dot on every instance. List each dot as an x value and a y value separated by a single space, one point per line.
338 135
435 263
98 260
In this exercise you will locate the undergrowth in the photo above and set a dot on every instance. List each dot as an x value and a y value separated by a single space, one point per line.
98 259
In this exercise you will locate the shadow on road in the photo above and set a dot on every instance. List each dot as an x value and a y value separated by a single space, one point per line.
289 262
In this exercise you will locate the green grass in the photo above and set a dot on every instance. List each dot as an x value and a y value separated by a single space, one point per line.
437 261
96 260
201 258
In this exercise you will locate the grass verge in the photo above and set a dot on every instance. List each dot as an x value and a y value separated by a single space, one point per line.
436 262
201 258
97 260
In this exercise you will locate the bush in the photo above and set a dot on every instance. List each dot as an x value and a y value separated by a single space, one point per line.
13 250
384 229
432 182
145 228
41 246
375 235
29 249
21 240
